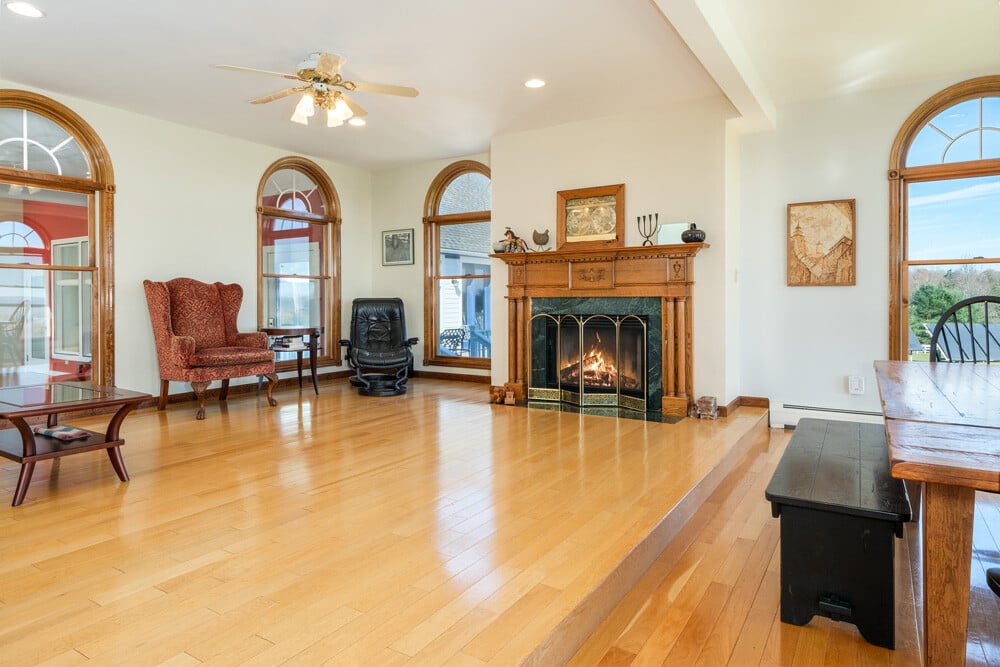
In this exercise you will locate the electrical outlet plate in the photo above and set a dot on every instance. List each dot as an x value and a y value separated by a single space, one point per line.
855 384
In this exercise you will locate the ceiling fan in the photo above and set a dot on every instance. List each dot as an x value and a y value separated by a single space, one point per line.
322 85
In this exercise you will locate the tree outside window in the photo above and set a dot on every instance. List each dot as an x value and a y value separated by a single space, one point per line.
945 208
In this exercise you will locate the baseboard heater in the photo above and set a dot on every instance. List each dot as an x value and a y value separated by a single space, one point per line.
789 414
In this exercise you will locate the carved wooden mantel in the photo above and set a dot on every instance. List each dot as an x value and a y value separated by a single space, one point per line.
664 271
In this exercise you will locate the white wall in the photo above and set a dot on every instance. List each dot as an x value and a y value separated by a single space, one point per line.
399 196
799 344
185 206
671 162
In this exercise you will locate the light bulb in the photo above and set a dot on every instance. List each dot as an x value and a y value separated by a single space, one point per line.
332 119
304 109
341 109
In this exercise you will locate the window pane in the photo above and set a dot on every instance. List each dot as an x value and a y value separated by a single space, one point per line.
928 147
292 190
464 317
31 216
965 148
292 247
468 192
464 249
46 324
957 119
934 289
293 302
991 144
991 112
966 131
34 143
954 219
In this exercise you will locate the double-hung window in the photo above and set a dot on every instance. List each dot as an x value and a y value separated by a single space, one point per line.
945 208
457 267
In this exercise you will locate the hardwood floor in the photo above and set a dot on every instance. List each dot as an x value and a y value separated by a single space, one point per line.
431 528
712 597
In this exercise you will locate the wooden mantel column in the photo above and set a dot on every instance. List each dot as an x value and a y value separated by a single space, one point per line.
662 271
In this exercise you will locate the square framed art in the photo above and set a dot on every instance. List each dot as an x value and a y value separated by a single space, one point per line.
397 247
591 217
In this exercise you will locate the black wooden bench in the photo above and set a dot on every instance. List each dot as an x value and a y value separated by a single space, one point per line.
840 510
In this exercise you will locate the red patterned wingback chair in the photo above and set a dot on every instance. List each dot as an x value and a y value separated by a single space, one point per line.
194 324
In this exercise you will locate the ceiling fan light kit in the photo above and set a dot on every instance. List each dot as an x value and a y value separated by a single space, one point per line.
320 78
304 109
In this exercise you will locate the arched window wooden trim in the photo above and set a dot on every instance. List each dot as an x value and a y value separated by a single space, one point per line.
332 221
102 184
899 174
432 203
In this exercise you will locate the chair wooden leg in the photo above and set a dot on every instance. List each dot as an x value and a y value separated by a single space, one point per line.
199 392
272 382
164 391
224 391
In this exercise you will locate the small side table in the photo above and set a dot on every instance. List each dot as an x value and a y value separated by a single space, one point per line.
313 333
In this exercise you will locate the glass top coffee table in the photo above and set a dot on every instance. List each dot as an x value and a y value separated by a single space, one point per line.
23 445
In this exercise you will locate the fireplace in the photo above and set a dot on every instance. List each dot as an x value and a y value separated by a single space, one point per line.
596 352
648 284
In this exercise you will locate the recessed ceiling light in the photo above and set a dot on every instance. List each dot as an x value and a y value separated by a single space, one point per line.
25 9
356 122
534 83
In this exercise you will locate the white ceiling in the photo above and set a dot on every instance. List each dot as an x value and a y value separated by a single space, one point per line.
469 59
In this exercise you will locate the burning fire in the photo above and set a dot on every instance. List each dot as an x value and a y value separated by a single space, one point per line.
597 372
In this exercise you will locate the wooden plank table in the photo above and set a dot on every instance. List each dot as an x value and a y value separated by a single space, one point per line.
942 425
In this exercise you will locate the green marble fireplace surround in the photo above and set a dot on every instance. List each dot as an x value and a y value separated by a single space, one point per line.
647 309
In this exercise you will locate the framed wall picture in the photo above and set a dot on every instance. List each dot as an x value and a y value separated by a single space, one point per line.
821 247
591 217
397 247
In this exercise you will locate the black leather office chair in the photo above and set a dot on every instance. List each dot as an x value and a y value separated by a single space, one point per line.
964 334
378 349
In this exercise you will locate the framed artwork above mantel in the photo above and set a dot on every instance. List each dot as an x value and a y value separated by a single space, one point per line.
591 217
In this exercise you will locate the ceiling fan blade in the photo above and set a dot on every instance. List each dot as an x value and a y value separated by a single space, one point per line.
237 68
384 88
357 109
278 95
329 65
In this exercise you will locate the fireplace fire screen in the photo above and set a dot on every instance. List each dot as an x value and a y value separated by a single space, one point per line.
589 360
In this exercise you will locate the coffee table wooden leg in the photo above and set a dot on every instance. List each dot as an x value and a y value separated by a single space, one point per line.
115 454
947 526
27 467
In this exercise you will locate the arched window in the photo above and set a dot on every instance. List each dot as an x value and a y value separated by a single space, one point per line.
944 196
457 267
298 261
56 215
